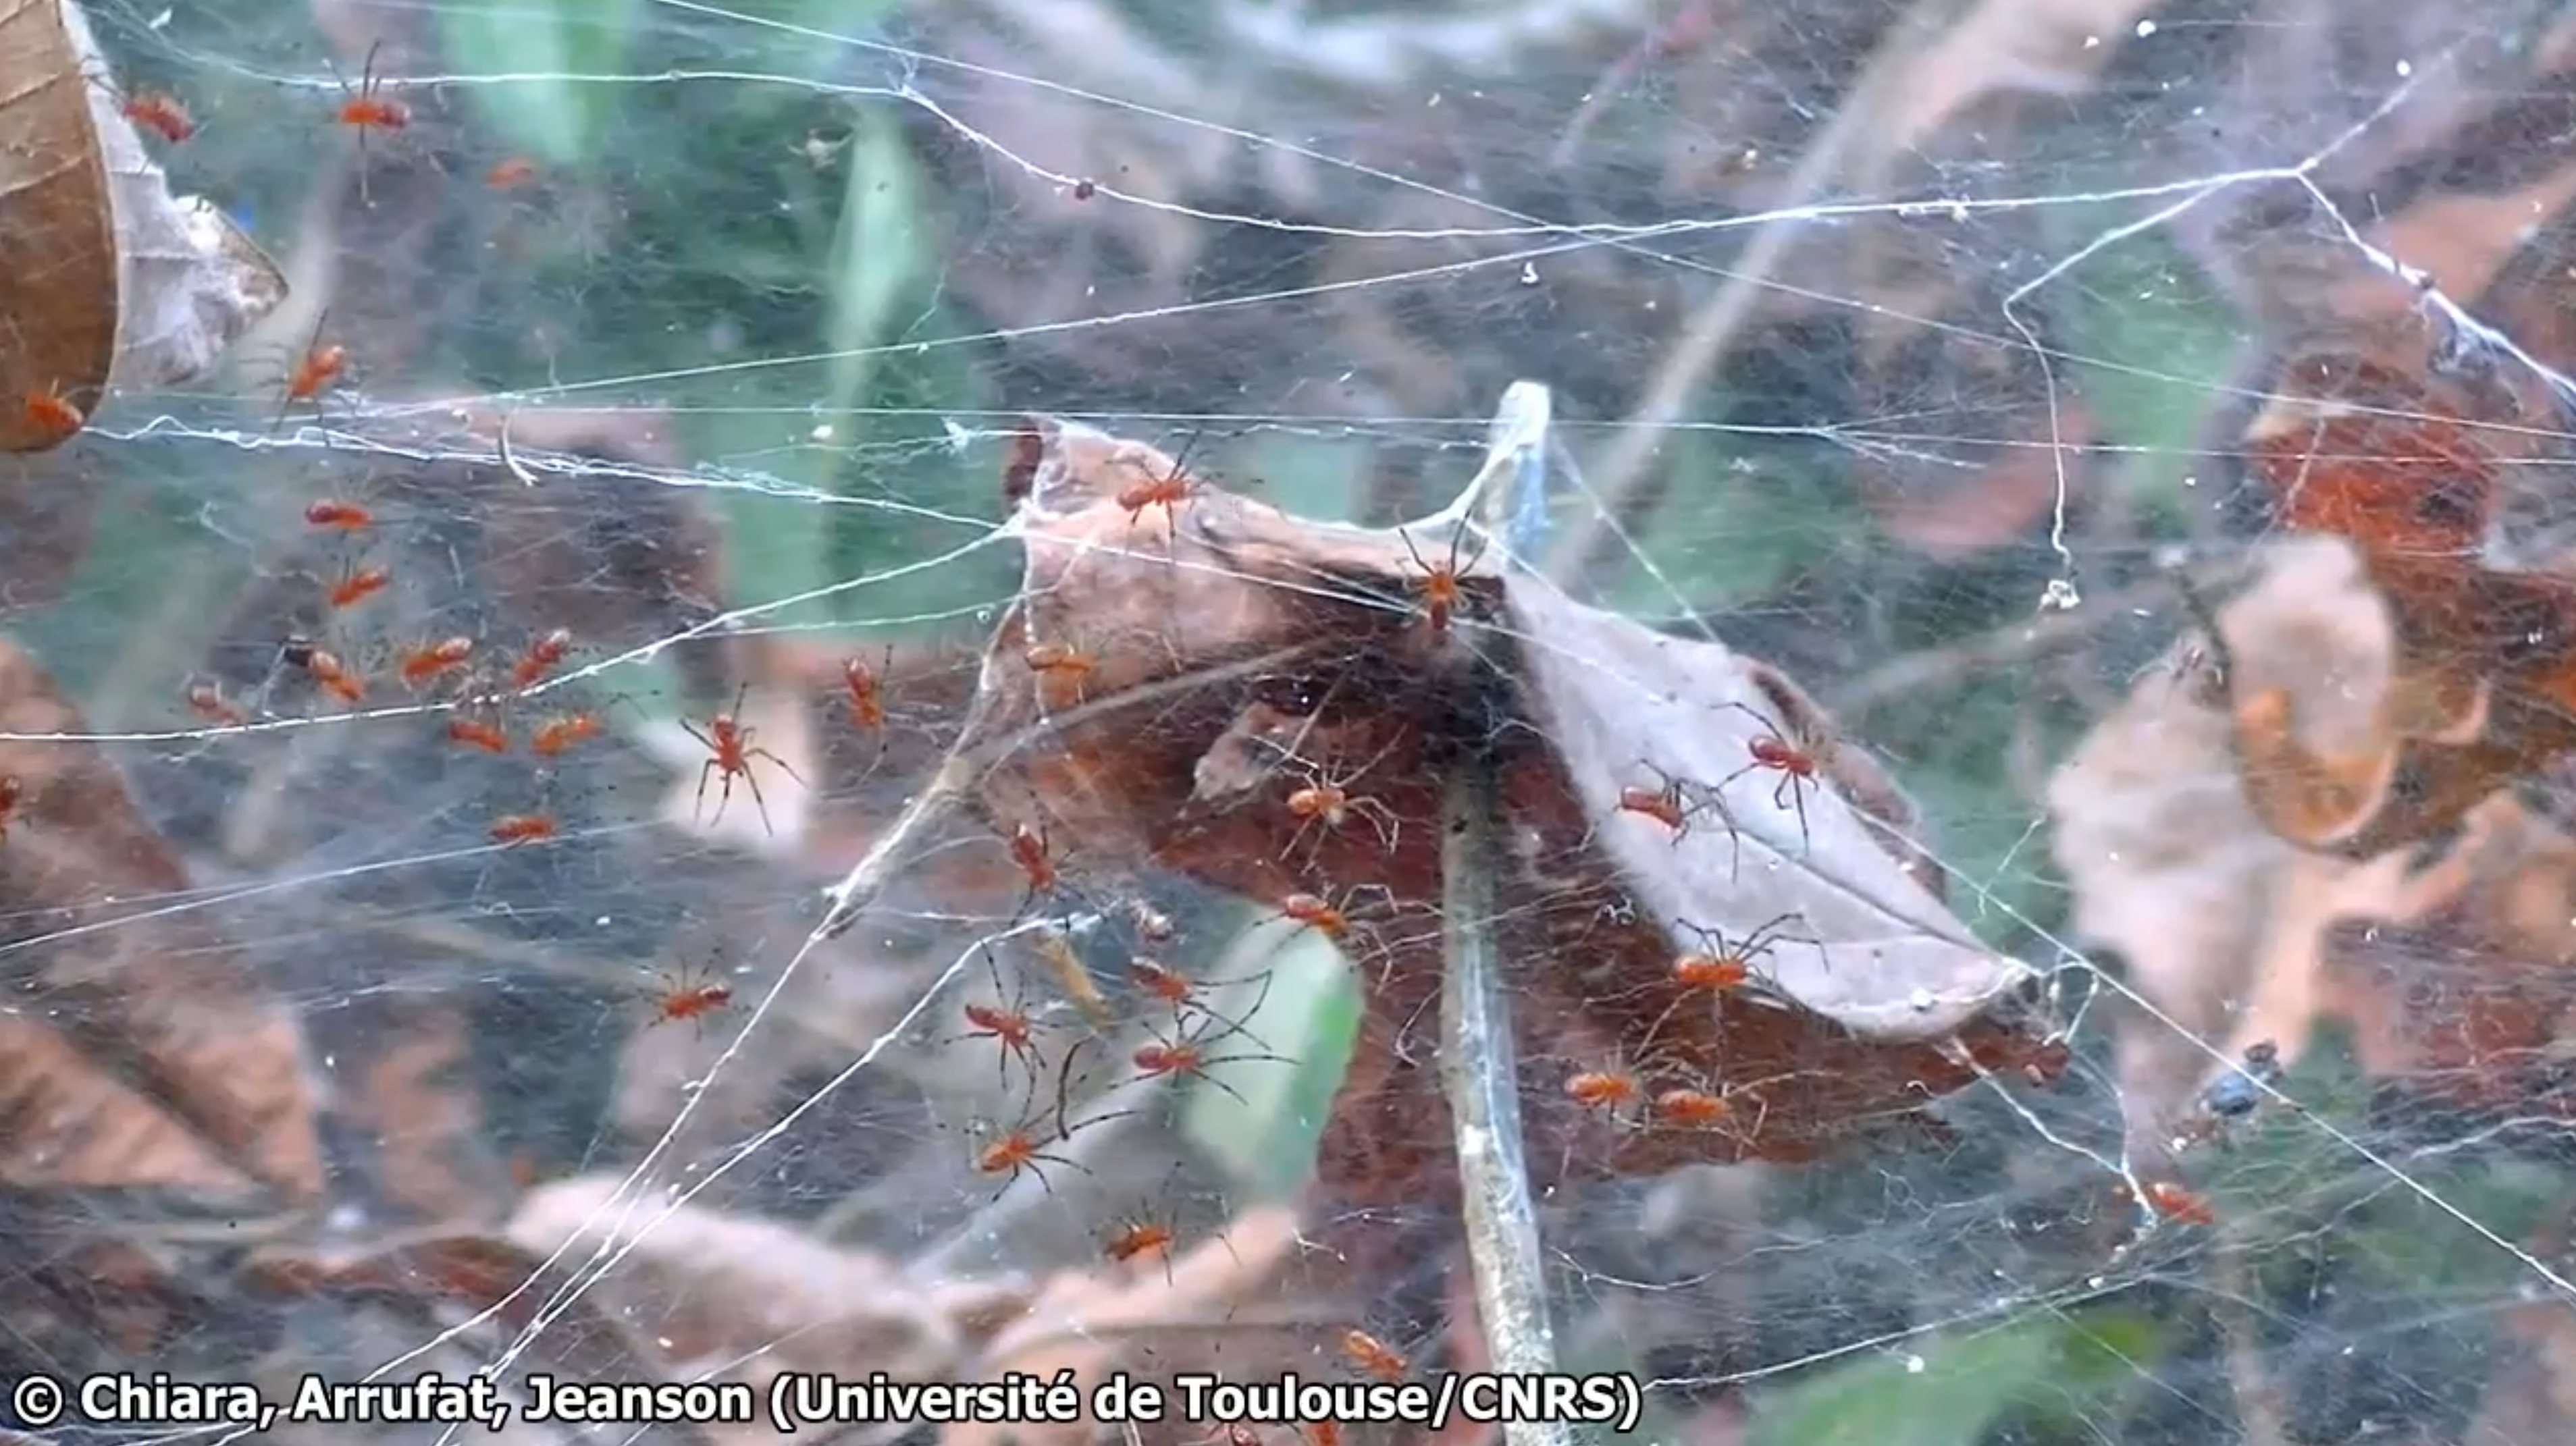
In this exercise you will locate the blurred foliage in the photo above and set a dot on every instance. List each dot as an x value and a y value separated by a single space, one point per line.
1953 1389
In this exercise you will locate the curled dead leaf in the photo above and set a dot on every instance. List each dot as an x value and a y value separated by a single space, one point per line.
189 281
2479 683
58 263
2170 864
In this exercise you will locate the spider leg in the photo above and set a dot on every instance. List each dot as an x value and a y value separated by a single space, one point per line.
783 765
1798 796
703 770
1213 1082
757 801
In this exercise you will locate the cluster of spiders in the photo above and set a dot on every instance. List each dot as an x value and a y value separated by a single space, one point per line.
1619 1093
1677 804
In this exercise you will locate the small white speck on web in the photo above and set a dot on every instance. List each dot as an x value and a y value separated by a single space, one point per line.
2060 596
1921 999
1913 1365
1529 273
2146 28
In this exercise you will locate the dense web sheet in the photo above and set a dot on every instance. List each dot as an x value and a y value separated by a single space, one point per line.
1851 718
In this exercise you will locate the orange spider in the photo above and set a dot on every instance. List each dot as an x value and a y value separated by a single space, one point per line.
511 174
540 658
866 688
162 114
1327 800
1066 661
1723 966
1187 1056
1438 586
679 999
556 735
1611 1090
1030 850
1168 492
2174 1201
1373 1355
519 828
1141 1235
728 742
1671 805
429 662
1163 982
207 700
338 515
1694 1109
325 668
476 733
1018 1152
1007 1023
1317 913
1796 766
321 366
357 584
1133 1238
53 415
367 109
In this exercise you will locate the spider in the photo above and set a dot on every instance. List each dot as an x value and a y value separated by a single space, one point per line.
1438 586
1018 1151
1796 766
1327 800
1186 1054
1168 492
730 749
1671 805
1718 966
1006 1021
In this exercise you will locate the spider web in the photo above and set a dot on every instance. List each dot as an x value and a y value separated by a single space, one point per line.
1928 357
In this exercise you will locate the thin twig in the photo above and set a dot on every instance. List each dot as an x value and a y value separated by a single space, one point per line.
1478 1070
1483 1083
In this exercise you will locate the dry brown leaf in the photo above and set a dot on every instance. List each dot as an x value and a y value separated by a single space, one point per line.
2224 926
1137 1319
58 265
152 997
190 283
752 1298
1205 638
